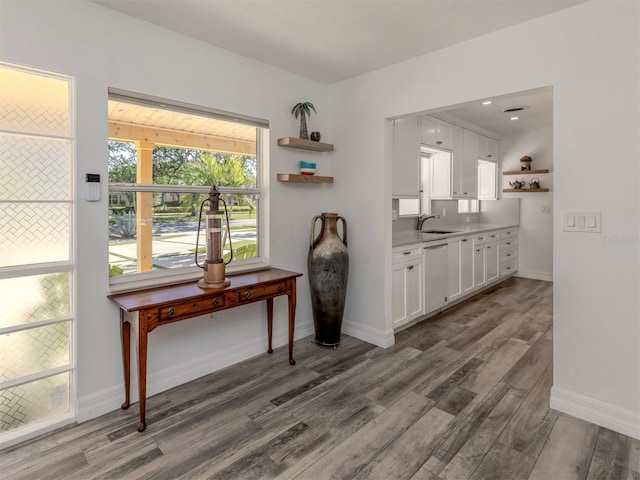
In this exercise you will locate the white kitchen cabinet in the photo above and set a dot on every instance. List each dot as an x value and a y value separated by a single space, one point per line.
487 148
469 166
466 264
487 180
436 133
436 276
460 267
508 252
406 158
492 262
407 286
455 177
479 266
440 176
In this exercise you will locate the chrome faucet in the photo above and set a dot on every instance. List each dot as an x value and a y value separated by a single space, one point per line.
423 219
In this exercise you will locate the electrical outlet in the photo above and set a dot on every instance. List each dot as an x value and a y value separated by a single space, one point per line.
545 208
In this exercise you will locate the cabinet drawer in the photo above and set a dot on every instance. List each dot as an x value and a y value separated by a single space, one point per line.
482 238
508 233
250 294
508 255
191 309
508 267
410 252
509 243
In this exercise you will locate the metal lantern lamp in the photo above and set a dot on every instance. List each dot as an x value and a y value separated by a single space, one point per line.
217 229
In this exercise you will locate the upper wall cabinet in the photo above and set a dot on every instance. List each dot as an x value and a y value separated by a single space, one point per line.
406 158
487 148
436 133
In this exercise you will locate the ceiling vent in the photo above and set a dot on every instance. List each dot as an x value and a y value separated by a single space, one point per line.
513 109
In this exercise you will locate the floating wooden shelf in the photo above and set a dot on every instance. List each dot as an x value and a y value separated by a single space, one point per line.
523 190
294 177
526 172
303 144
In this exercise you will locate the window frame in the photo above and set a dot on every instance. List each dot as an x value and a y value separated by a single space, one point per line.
160 277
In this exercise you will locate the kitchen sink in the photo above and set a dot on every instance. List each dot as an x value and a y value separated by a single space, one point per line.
437 231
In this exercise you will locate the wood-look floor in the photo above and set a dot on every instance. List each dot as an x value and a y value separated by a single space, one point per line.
463 395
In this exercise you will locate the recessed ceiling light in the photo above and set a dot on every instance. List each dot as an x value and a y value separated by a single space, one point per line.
487 102
515 118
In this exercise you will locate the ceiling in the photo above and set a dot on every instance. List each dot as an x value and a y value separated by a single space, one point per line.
538 112
332 40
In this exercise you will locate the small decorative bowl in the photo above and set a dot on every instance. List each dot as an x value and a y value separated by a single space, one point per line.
307 168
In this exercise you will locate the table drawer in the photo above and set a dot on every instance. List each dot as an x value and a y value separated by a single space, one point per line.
192 309
250 294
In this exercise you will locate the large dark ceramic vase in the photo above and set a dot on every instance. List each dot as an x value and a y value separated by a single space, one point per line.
328 265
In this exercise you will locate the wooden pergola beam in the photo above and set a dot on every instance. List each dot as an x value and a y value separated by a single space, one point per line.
126 132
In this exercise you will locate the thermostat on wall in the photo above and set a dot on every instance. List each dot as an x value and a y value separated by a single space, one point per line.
92 187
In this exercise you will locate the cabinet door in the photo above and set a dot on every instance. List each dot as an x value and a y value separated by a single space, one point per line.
414 278
457 160
487 148
440 178
455 269
406 157
466 265
493 262
479 266
487 180
399 313
436 283
469 168
435 132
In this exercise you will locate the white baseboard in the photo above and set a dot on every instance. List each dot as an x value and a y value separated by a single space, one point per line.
379 338
595 411
547 277
110 399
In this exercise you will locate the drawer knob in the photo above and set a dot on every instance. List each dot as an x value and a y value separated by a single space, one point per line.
439 142
508 254
406 253
172 313
216 302
410 267
280 287
247 295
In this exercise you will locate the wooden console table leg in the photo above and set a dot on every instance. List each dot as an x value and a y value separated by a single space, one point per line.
292 319
125 335
142 368
269 323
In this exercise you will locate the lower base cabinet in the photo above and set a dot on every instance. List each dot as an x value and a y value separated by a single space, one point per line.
436 277
407 285
427 277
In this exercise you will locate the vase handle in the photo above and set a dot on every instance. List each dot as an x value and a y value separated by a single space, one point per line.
312 238
344 230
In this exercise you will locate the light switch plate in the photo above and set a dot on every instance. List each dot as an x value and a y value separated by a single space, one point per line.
581 222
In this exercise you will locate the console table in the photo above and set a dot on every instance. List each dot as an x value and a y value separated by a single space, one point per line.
144 310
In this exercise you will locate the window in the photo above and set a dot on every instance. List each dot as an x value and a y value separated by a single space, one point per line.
37 259
468 206
156 187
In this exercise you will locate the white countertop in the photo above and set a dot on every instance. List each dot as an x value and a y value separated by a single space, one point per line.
408 237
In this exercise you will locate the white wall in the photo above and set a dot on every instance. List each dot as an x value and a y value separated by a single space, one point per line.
590 55
102 49
535 244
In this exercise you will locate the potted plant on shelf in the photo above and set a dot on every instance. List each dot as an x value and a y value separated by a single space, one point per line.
303 109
